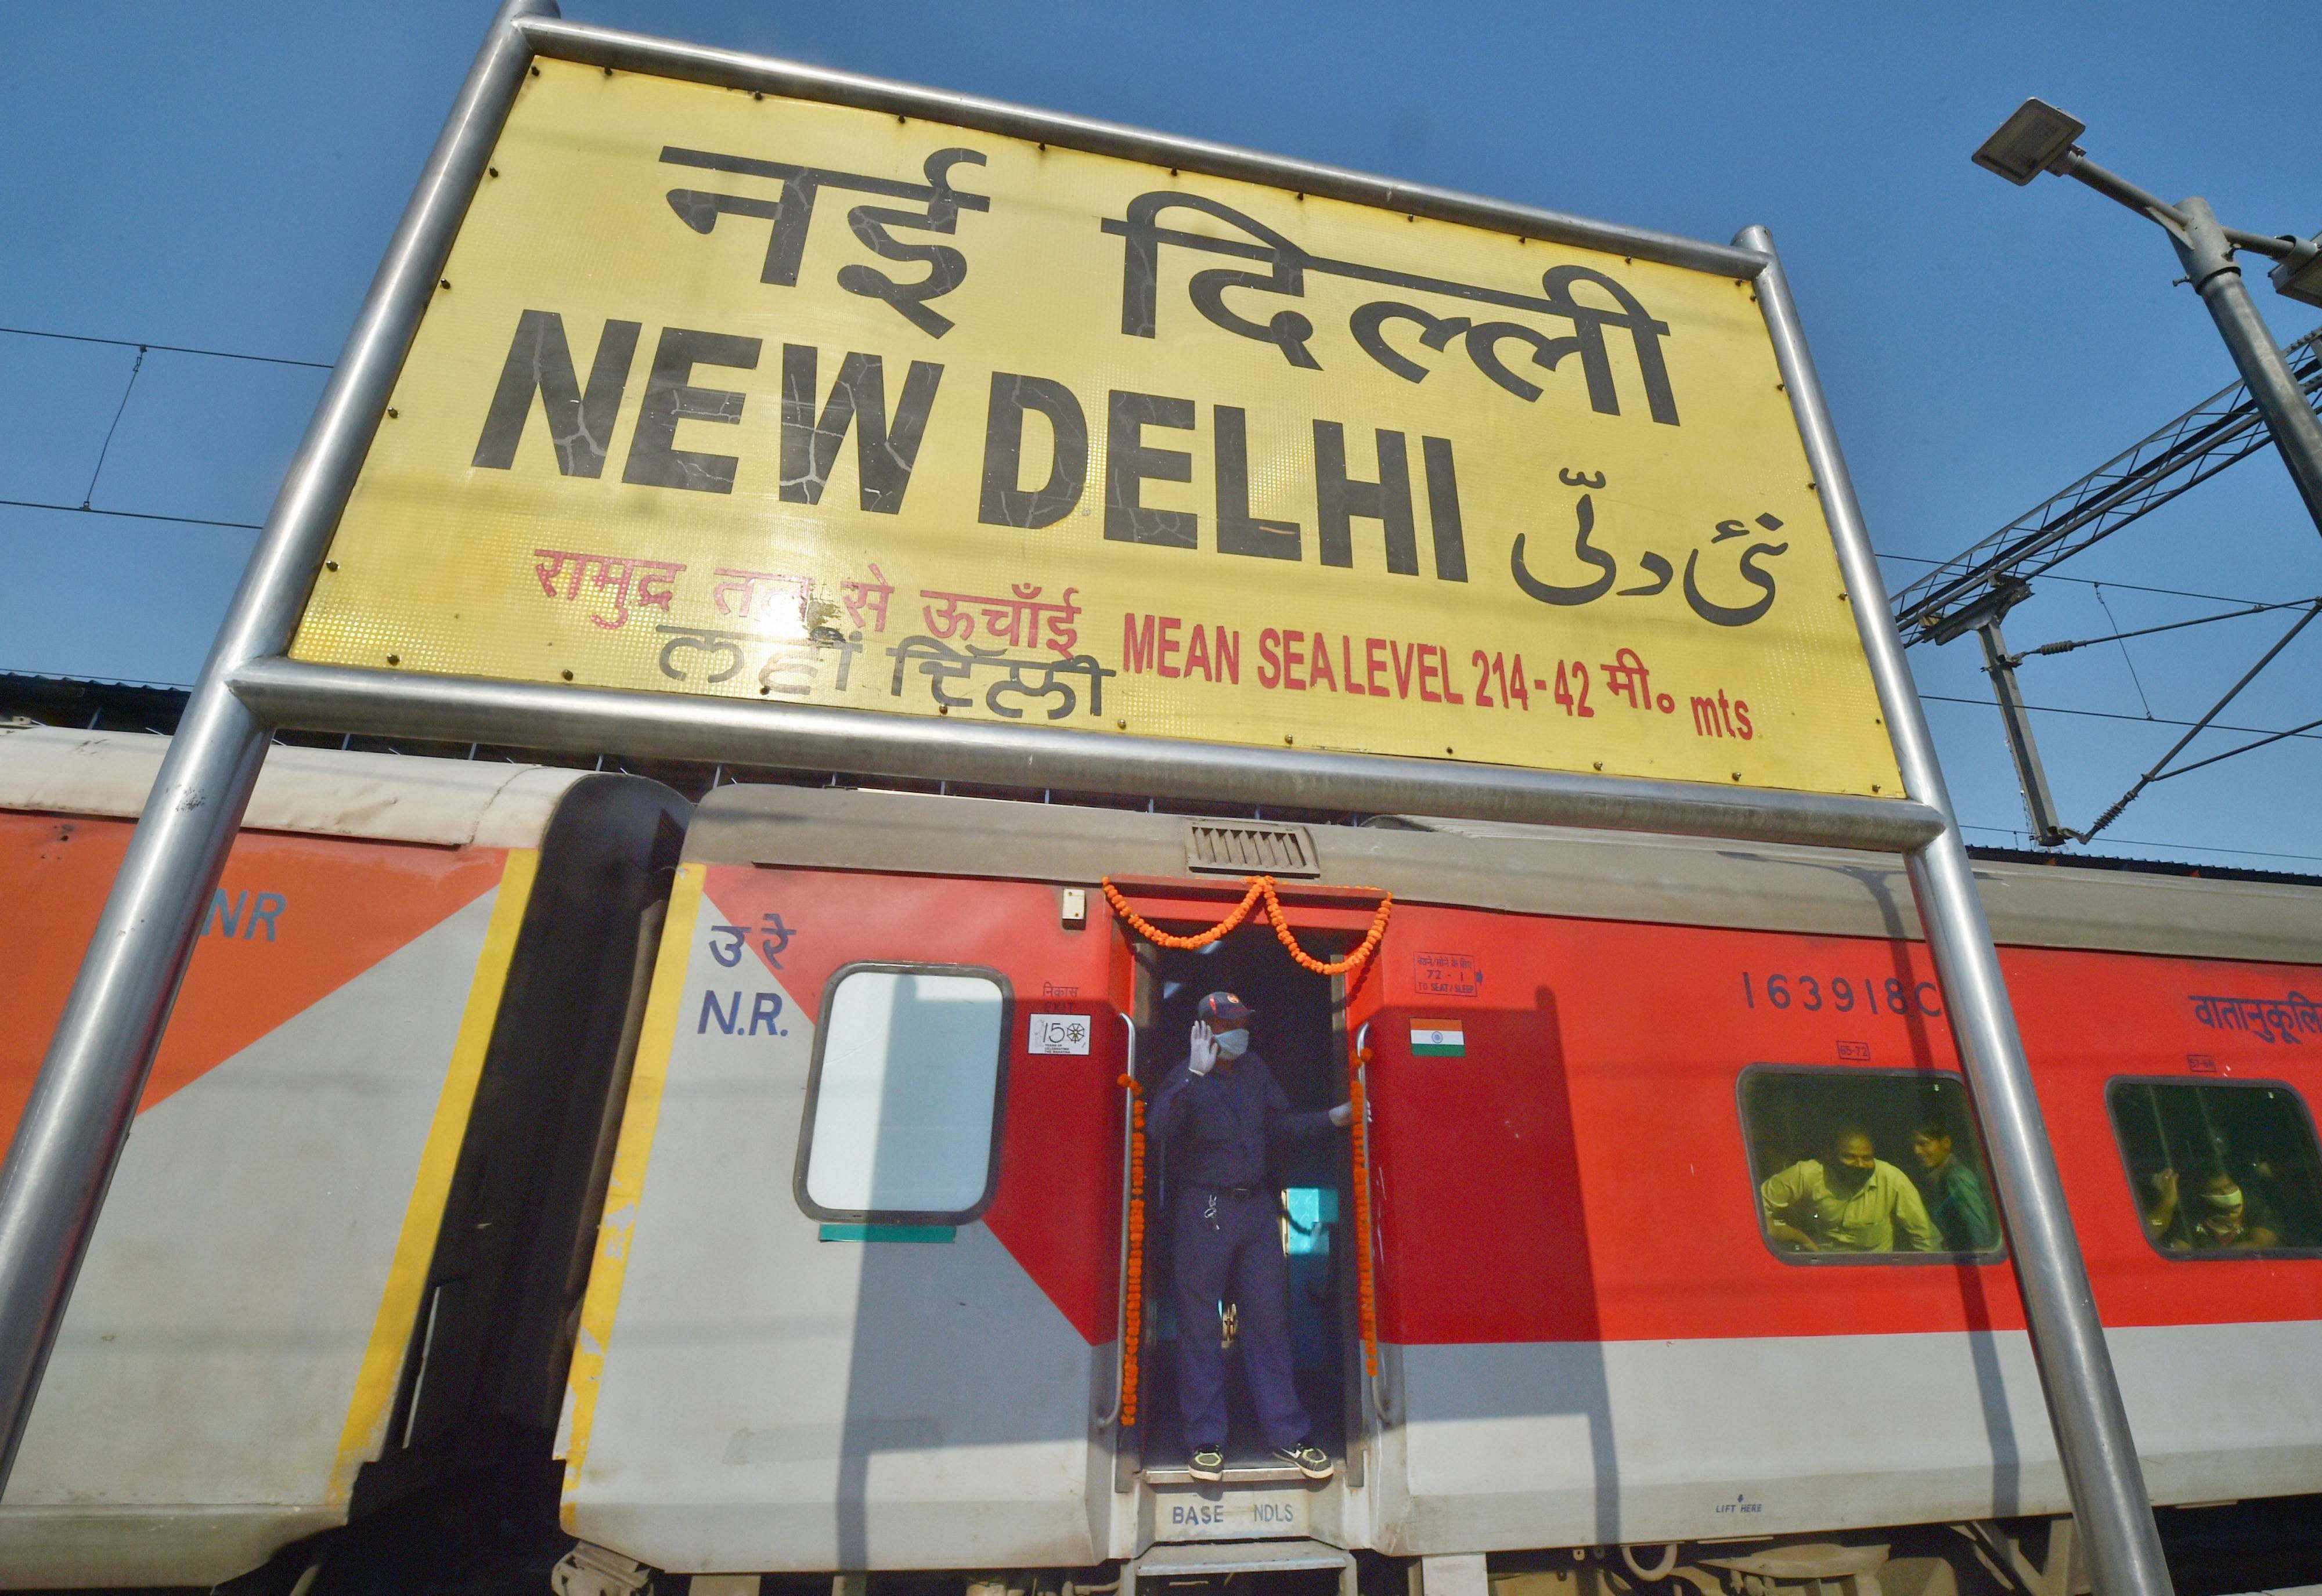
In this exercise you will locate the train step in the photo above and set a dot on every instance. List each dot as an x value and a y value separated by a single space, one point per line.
1215 1560
1248 1474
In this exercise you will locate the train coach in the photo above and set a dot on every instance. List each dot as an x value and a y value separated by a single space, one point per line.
875 1289
341 1250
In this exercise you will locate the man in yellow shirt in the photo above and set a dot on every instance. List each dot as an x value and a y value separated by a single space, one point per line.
1849 1202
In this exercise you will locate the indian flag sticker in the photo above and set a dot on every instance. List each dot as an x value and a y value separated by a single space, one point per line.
1438 1039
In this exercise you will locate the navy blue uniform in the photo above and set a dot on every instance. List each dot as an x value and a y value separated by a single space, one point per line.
1225 1230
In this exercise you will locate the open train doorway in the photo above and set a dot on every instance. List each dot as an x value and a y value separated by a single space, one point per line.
1296 1035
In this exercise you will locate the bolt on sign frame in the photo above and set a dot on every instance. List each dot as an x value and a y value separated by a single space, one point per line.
482 602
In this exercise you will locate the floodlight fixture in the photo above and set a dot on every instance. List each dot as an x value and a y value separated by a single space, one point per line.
2299 274
2036 139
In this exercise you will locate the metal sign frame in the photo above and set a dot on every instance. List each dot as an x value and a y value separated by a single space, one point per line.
82 1105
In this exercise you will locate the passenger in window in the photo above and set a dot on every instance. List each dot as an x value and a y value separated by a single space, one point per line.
2286 1201
2217 1214
1956 1199
1850 1201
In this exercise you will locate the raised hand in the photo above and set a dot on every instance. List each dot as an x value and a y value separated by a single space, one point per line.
1203 1057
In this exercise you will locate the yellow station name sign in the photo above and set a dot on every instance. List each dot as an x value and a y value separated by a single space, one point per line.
801 403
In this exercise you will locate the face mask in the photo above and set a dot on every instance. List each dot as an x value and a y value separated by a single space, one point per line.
1232 1044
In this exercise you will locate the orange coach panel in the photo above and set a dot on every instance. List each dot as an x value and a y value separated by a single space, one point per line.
294 919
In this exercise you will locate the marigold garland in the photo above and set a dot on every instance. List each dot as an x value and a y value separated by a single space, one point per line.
1133 1332
1262 888
1365 1287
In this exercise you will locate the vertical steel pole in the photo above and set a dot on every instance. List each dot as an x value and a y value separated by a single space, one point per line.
2084 1405
78 1114
2038 801
2210 265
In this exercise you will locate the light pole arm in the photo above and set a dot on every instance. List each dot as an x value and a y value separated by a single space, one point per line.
2261 244
2072 163
2113 186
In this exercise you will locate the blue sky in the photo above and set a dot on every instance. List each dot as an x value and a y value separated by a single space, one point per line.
224 178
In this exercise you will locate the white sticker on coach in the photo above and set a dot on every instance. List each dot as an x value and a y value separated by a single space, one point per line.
1059 1033
1243 1513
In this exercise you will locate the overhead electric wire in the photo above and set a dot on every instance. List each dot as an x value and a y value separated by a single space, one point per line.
2156 720
2079 643
34 504
119 411
2127 659
2264 737
2245 748
2090 582
2221 430
142 347
175 349
2160 771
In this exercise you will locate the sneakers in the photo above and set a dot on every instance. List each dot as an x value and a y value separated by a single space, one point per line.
1310 1461
1209 1464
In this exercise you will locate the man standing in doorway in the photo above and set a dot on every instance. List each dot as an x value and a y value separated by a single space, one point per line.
1215 1119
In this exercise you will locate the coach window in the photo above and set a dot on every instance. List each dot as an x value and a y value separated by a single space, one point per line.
903 1103
2220 1168
1867 1165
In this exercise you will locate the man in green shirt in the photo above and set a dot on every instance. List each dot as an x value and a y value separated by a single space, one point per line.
1849 1202
1957 1201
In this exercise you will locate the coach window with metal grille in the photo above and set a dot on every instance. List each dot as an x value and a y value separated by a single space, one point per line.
2220 1169
1867 1166
902 1110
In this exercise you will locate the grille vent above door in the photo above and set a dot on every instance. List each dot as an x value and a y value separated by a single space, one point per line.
1247 848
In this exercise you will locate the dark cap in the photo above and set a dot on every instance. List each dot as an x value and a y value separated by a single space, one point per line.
1222 1011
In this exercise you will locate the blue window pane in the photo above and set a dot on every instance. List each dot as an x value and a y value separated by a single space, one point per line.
1313 1209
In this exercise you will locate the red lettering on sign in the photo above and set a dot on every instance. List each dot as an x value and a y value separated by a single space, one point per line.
1319 670
1373 665
1720 716
1294 660
1135 644
1151 643
1227 648
1443 659
1269 663
1427 667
